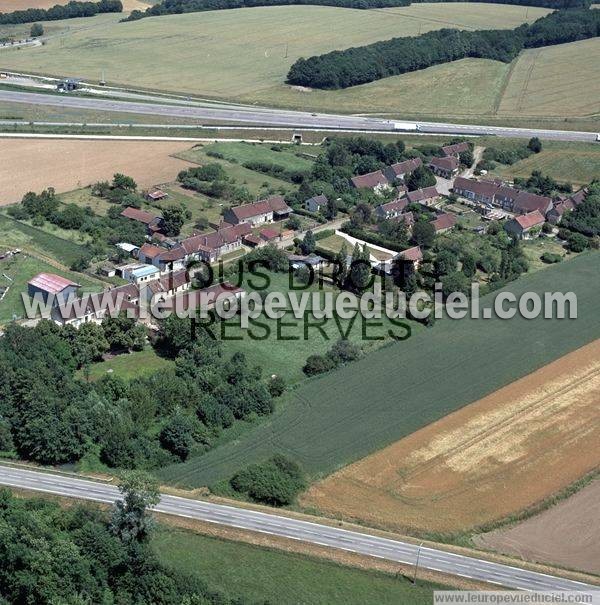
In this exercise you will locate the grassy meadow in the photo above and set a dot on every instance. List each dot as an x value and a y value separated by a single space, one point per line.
244 54
261 574
130 365
331 421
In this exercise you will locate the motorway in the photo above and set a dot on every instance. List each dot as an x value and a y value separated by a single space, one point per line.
261 116
314 533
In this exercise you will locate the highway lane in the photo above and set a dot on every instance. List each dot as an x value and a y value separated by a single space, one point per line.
281 118
314 533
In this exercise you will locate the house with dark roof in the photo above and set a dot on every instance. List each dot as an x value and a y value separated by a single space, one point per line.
476 191
456 149
376 181
408 261
156 194
445 167
316 203
268 210
444 222
525 225
425 197
397 172
169 285
151 220
391 209
555 215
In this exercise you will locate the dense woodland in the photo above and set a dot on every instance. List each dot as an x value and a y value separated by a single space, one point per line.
171 7
72 10
353 66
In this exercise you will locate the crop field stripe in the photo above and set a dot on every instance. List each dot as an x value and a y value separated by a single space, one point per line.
334 420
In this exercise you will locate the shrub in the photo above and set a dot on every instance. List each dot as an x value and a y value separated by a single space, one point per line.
577 242
276 386
277 481
317 364
550 258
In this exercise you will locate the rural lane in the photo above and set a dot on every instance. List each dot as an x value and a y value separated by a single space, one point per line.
314 533
281 118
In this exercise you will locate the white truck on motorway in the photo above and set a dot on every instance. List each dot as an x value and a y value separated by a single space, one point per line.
407 126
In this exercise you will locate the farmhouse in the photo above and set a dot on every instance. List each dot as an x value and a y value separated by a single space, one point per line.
476 191
169 285
444 167
52 288
391 209
138 273
444 222
376 181
206 298
151 220
525 225
398 171
269 235
410 260
455 150
263 211
316 203
556 214
425 197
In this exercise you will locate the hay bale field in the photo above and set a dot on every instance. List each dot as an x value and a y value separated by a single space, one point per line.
244 53
34 164
342 417
490 459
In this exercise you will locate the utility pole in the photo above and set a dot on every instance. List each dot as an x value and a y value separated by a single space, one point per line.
417 563
287 46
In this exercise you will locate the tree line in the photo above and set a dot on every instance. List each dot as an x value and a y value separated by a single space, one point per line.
57 12
171 7
353 66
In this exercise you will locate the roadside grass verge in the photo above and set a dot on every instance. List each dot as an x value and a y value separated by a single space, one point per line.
260 574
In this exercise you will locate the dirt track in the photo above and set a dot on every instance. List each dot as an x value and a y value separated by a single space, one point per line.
488 460
567 534
34 164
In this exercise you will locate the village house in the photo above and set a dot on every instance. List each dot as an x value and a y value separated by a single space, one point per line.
443 223
205 299
376 181
555 215
425 197
526 225
445 167
269 235
476 191
316 203
410 260
297 261
151 220
391 209
455 150
268 210
169 285
138 273
397 172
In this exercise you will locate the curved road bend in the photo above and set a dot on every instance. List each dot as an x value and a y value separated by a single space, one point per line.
323 535
279 117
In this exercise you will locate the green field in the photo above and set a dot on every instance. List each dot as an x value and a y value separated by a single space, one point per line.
328 422
577 163
20 269
287 156
40 241
262 574
257 183
280 346
244 54
130 365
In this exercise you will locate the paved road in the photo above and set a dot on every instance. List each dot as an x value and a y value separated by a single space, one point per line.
279 117
438 560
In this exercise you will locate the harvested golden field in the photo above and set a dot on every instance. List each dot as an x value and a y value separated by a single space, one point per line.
34 164
492 458
567 534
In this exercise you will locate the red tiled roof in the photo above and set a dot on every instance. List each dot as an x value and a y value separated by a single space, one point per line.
532 219
481 188
370 180
563 206
275 203
406 167
151 251
269 234
169 282
397 205
51 283
456 148
196 299
443 222
135 214
422 194
412 254
449 163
